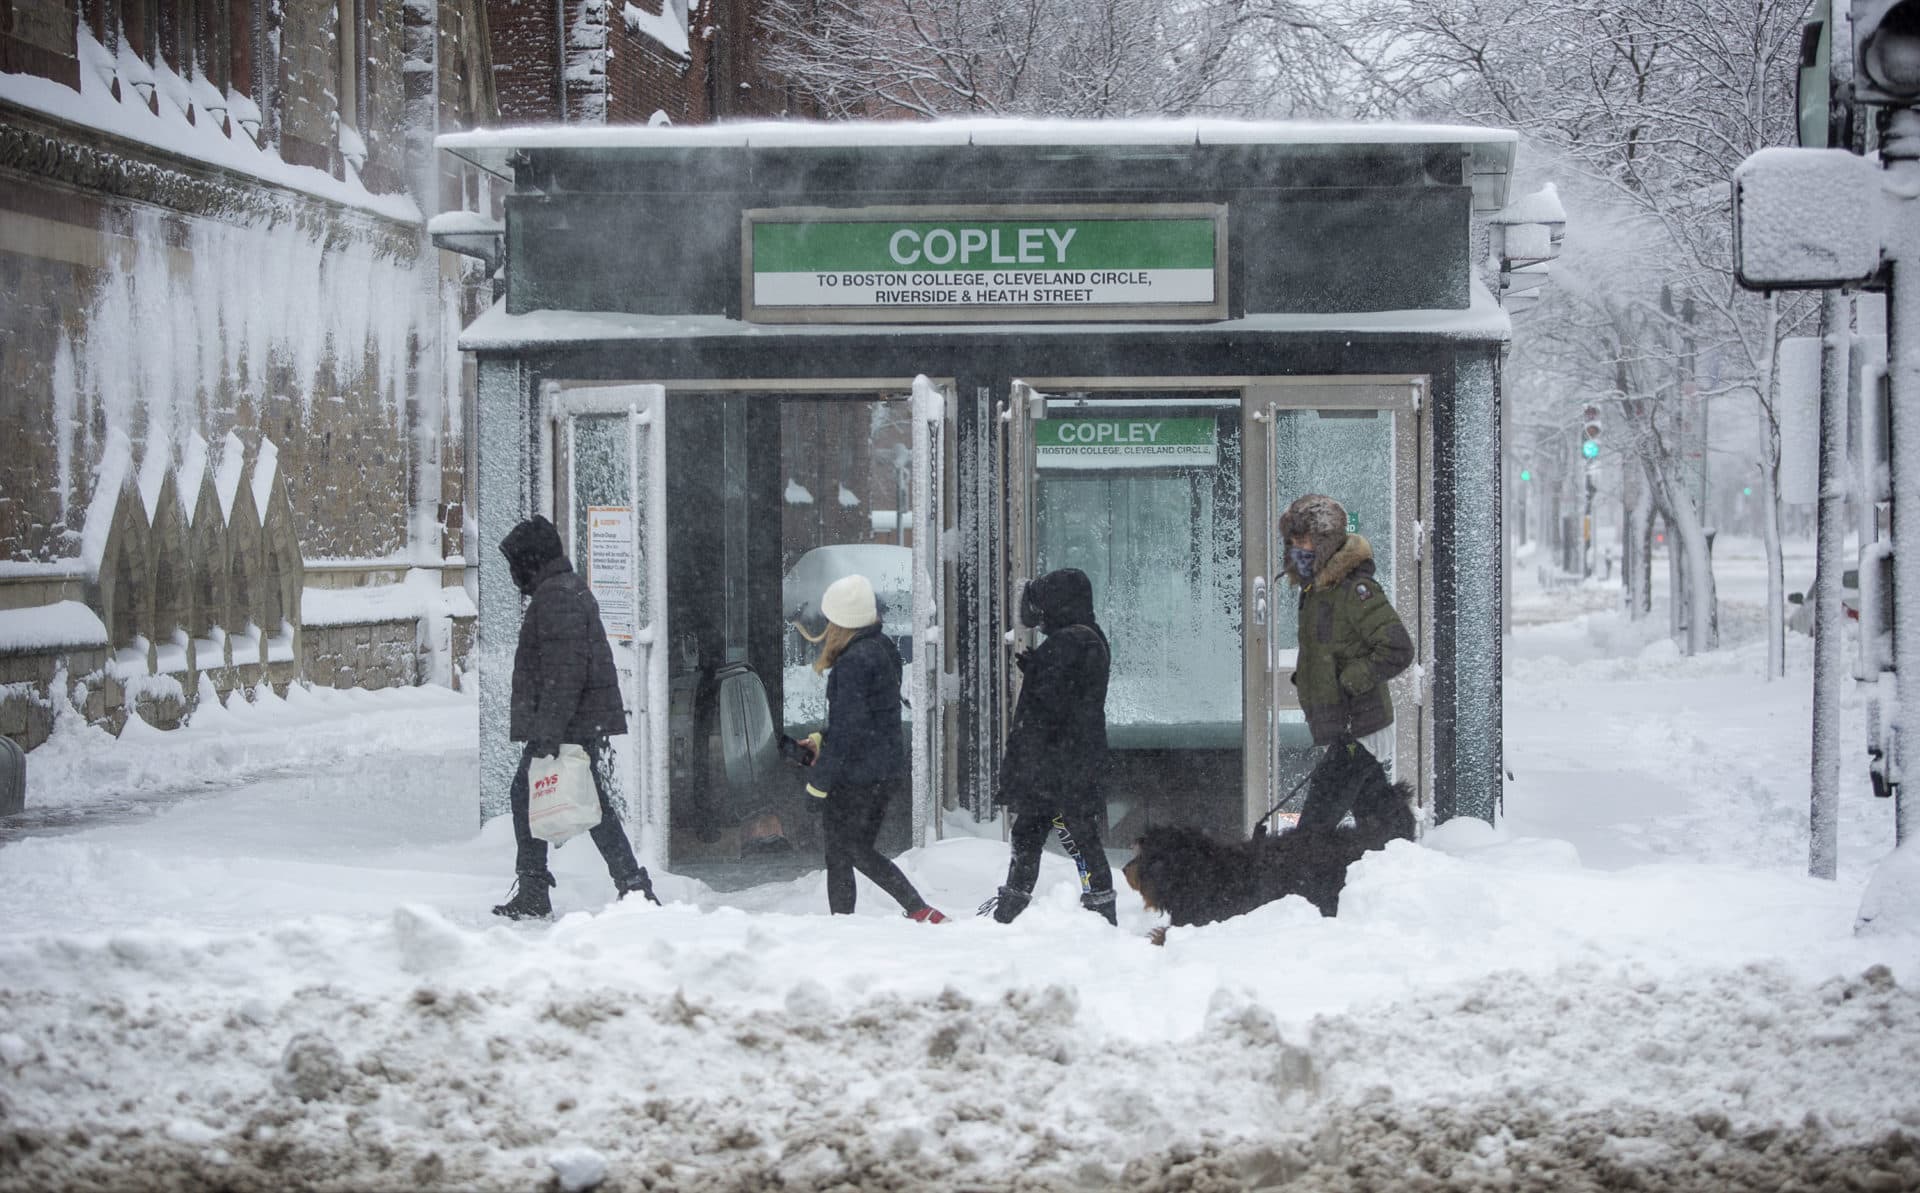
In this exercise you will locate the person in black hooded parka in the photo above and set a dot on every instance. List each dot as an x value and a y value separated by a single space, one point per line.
1052 773
565 691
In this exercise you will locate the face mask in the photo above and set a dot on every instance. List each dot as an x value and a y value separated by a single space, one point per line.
1302 560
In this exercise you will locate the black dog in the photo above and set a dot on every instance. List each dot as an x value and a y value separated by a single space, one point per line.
1198 879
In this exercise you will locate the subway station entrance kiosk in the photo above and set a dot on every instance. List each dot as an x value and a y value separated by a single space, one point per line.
733 363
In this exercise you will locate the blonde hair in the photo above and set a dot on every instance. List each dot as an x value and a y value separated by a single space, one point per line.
832 642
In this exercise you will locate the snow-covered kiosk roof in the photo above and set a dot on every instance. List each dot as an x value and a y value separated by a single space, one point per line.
495 150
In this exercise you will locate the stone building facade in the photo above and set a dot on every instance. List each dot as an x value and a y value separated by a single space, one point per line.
237 422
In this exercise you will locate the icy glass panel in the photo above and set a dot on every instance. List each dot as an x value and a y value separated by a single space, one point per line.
600 474
1162 548
845 468
1347 455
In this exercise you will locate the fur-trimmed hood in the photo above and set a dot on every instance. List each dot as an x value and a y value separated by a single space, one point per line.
1353 551
1322 521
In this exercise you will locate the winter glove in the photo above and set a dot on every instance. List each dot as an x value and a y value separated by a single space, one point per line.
544 747
1356 677
1024 661
815 792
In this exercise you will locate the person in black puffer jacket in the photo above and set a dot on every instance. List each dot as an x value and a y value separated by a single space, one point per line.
862 758
1055 763
565 691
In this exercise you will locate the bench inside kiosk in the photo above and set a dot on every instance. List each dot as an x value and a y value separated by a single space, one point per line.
735 363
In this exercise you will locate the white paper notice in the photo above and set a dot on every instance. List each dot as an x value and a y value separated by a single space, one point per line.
610 567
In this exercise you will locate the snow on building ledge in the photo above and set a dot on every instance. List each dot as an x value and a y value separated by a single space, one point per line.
420 595
64 625
170 133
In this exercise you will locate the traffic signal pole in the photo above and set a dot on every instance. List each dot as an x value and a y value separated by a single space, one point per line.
1829 644
1900 153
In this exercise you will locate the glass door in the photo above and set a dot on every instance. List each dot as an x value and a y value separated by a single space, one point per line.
1141 490
608 473
1359 444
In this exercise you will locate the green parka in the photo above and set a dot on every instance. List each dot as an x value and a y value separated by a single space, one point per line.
1351 644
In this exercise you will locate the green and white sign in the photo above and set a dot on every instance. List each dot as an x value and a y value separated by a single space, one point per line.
1165 261
1125 443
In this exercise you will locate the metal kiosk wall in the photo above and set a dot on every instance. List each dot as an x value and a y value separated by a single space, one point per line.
954 353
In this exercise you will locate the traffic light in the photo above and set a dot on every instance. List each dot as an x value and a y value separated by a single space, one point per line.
1590 432
1886 52
1526 474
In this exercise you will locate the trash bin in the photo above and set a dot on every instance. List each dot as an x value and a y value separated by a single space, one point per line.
13 777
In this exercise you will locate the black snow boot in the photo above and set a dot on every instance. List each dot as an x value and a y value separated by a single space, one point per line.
1101 902
638 882
1008 903
529 900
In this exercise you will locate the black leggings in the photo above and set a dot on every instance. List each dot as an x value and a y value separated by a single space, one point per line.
852 823
1080 833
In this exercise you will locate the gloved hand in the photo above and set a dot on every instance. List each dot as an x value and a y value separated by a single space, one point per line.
1024 660
815 792
543 747
799 753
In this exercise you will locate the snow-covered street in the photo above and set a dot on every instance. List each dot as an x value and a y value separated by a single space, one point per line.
1631 983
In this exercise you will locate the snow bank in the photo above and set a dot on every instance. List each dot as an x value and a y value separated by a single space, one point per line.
229 743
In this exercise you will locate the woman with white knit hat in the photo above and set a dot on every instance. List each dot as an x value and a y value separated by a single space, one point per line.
862 758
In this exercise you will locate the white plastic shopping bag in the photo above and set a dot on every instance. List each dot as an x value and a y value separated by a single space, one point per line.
562 801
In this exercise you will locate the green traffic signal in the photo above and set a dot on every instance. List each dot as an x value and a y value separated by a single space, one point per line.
1590 449
1526 474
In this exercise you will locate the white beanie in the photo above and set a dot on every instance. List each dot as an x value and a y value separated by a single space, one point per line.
848 602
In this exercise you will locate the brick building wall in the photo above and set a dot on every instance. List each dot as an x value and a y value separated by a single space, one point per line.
705 67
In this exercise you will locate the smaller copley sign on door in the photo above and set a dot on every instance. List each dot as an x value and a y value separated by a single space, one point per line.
1125 443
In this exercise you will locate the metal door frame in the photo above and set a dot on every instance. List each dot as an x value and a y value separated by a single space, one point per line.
1403 394
644 406
933 405
1267 688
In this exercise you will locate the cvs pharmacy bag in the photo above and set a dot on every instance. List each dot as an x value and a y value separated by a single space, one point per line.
562 801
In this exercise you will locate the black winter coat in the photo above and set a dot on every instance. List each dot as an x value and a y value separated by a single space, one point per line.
564 686
1056 757
865 741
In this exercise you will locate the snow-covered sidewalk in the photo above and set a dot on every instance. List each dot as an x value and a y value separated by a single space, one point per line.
296 985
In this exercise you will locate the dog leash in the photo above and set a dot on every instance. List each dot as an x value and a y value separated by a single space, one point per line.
1260 825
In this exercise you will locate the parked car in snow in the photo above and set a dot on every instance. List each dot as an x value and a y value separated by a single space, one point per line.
889 567
1800 618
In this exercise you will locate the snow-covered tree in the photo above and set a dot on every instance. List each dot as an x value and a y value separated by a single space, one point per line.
1641 110
1065 58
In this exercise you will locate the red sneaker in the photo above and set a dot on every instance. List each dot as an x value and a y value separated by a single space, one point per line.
926 915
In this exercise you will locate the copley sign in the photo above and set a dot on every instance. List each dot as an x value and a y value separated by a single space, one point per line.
1125 443
916 264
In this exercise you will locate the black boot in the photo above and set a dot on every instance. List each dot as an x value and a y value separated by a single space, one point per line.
639 882
1102 902
529 899
1008 903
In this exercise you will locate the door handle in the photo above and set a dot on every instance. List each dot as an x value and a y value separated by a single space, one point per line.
1260 600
